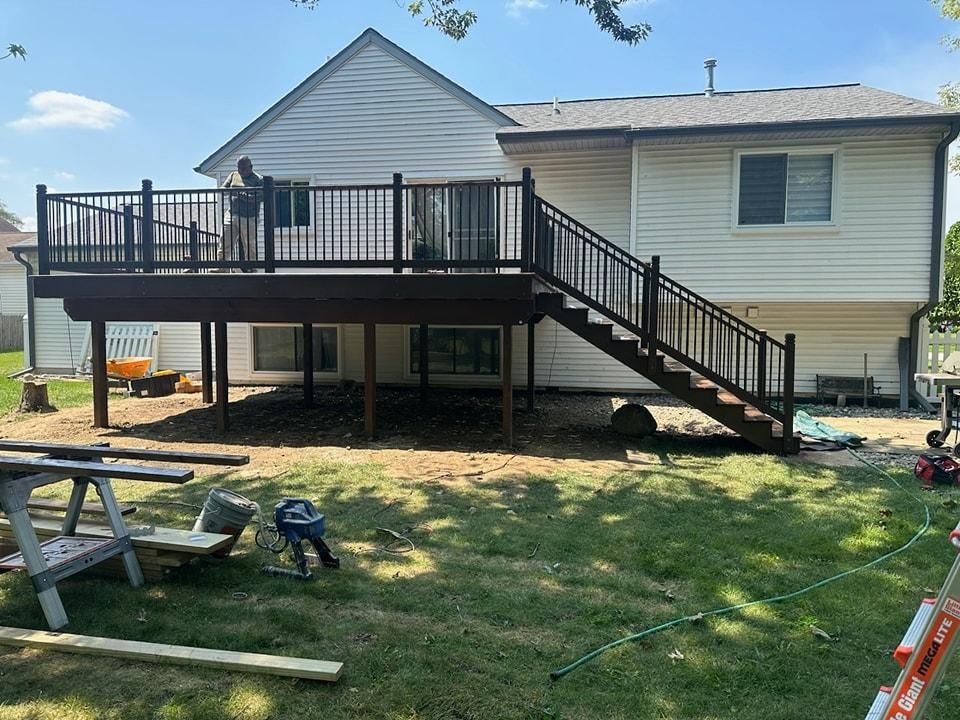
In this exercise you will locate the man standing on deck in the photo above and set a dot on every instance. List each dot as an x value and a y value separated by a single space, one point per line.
240 218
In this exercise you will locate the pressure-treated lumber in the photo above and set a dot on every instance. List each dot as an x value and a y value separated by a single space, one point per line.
173 456
142 536
49 504
173 654
79 468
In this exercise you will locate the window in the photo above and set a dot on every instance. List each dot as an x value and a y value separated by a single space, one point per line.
458 351
293 206
785 188
279 348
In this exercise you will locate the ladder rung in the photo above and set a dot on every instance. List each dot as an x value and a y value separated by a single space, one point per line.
914 632
879 704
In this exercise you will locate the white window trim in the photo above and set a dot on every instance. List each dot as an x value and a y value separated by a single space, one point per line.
284 375
451 378
310 204
787 228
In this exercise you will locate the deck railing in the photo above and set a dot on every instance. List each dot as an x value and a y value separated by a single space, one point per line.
455 226
666 316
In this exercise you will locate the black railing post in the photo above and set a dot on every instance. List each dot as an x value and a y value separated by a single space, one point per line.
653 310
43 232
789 365
146 226
526 217
762 368
269 224
398 222
129 261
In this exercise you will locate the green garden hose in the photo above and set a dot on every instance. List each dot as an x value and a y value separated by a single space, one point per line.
557 674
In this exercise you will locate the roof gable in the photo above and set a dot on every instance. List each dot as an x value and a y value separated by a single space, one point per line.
367 38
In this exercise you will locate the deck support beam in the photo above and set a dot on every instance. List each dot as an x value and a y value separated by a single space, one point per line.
424 362
531 365
370 379
223 382
206 363
307 364
506 371
98 362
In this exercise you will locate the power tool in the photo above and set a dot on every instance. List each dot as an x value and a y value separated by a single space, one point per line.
296 521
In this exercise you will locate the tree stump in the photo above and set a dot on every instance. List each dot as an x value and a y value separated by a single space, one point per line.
33 397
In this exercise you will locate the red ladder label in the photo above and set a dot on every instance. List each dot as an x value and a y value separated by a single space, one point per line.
925 662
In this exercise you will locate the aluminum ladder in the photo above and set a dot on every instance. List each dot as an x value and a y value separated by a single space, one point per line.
924 652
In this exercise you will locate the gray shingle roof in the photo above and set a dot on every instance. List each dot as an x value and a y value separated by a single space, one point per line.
752 107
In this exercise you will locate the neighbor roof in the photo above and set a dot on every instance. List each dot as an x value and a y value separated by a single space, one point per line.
850 103
18 239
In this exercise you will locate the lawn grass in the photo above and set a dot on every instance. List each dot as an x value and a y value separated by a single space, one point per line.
514 576
62 393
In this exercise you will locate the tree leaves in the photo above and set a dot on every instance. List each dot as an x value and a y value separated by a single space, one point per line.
946 314
454 22
9 215
15 51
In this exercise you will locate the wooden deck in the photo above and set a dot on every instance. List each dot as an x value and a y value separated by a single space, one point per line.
215 299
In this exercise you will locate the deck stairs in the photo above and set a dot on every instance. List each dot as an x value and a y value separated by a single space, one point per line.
700 353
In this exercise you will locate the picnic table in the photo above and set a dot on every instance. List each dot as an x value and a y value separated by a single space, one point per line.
67 553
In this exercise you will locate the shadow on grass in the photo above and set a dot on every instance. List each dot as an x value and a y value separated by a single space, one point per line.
511 578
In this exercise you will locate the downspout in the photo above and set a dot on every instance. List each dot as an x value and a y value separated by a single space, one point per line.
936 251
31 329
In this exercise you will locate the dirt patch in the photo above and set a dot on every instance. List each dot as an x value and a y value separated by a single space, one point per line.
452 433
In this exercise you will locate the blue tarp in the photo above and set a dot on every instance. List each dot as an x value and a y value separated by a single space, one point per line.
817 429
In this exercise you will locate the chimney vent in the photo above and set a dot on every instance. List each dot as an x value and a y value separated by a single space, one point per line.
556 105
709 65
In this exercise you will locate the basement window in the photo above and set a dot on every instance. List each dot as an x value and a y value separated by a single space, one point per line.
279 348
457 351
785 188
293 206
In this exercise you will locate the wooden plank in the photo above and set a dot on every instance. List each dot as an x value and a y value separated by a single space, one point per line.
173 456
38 503
218 308
268 287
173 654
370 379
80 468
222 381
206 363
147 536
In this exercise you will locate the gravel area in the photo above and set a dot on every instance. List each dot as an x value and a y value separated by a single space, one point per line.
824 411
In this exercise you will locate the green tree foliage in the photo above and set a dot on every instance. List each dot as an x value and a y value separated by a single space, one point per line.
15 51
9 215
949 94
946 314
452 20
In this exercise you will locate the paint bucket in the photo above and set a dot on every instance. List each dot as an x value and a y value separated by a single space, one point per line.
227 512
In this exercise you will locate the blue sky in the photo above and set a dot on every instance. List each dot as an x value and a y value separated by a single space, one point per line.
173 80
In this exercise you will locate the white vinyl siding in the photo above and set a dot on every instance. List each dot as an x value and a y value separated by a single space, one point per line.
878 251
13 289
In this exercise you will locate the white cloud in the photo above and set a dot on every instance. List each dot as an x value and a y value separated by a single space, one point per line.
29 224
64 175
518 7
56 109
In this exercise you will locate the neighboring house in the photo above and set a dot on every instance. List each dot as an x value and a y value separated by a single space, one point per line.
13 289
817 211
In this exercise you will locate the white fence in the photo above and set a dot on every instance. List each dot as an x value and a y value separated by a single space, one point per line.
935 346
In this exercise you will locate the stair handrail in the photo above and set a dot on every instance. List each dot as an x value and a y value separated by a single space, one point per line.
758 369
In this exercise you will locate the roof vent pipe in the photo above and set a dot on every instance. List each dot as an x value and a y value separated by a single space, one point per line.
709 65
556 105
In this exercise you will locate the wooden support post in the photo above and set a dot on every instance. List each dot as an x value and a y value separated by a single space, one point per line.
43 232
789 369
531 366
223 382
206 363
307 364
424 361
506 370
98 364
370 379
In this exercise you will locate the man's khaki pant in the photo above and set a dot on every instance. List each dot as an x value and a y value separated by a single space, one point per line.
238 241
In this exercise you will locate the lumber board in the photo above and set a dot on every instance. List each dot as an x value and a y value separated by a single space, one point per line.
307 669
40 503
172 456
80 468
146 536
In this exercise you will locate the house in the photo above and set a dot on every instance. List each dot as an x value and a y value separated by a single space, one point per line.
817 211
13 289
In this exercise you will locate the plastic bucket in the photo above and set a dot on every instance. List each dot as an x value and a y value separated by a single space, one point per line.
227 512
